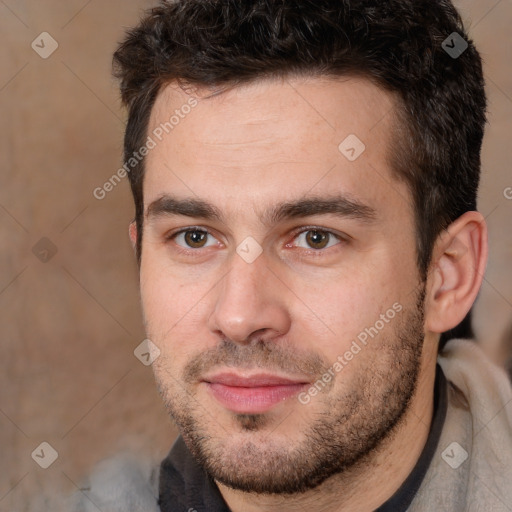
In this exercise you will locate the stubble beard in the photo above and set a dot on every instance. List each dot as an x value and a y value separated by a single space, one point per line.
344 433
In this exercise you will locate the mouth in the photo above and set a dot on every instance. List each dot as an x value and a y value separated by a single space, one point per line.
252 394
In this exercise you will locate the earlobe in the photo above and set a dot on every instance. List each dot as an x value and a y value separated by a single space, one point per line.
132 232
459 260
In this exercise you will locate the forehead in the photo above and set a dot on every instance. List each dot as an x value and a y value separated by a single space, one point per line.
272 140
270 109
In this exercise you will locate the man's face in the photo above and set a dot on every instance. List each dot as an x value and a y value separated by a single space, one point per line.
289 312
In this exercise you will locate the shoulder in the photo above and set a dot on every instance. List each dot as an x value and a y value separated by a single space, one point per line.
483 382
122 483
487 436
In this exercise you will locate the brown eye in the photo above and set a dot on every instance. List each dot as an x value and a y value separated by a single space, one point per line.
317 239
192 239
195 238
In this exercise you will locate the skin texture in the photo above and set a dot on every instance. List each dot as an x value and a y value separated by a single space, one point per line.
296 309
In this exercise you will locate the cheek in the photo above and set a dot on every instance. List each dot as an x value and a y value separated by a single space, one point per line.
175 310
346 304
158 295
167 293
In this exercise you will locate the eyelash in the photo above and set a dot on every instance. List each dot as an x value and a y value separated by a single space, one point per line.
315 252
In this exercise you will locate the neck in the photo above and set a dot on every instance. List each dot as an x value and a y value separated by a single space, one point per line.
371 482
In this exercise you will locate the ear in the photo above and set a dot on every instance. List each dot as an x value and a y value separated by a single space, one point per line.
456 272
132 231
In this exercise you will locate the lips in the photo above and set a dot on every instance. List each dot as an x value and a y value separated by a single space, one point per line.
252 394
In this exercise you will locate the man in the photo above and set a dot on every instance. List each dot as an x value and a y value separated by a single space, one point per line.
305 178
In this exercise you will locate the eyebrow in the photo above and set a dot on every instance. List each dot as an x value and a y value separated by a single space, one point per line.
339 205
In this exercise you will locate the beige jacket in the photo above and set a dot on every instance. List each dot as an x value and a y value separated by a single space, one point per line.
478 426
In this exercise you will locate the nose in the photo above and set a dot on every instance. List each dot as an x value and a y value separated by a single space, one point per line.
251 302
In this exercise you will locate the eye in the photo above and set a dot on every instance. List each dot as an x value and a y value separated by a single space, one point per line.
192 238
312 238
316 239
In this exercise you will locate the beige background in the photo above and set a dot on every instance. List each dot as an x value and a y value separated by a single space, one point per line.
69 326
